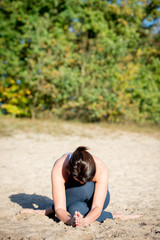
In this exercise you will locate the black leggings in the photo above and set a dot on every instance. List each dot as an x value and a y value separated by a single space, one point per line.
79 198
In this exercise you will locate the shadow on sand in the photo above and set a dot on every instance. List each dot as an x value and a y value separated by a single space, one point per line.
32 201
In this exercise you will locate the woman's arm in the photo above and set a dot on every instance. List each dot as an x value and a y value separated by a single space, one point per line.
58 192
98 199
65 217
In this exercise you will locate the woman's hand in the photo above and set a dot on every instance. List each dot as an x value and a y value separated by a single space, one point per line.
71 222
80 220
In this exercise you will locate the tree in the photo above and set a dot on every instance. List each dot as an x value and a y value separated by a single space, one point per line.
93 60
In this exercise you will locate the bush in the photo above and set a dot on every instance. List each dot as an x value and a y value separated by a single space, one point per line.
92 61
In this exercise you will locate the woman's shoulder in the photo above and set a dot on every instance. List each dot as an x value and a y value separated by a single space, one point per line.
62 161
101 169
60 167
99 162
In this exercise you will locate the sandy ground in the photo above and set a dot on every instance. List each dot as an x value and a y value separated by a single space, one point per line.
26 160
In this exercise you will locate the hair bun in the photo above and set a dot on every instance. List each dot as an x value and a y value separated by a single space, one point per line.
82 149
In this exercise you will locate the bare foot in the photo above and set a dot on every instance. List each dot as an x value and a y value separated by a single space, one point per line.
79 220
32 211
125 217
47 211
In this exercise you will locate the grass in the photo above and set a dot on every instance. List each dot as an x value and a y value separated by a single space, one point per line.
10 125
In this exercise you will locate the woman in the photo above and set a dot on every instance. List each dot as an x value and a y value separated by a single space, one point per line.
80 190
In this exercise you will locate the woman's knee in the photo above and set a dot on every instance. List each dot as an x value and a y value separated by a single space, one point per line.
88 190
83 193
78 206
107 200
104 215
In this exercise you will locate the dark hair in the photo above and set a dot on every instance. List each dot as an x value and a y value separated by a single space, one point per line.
82 165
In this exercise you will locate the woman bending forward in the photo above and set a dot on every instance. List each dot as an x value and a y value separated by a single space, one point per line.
80 190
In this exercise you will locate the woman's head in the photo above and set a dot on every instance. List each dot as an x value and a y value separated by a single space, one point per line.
82 165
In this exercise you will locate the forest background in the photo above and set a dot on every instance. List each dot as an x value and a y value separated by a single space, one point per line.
90 60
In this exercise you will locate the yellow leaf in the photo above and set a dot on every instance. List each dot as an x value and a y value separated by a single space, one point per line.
28 92
12 81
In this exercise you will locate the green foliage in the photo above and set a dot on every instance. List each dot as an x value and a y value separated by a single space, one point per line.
91 60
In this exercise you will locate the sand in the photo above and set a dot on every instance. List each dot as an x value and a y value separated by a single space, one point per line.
26 160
